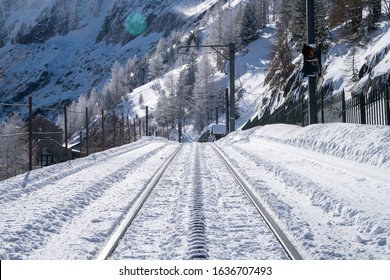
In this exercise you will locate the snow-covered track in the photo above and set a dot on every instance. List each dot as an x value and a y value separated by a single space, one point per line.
132 213
40 178
284 241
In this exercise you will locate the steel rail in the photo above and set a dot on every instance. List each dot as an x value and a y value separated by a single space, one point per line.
284 241
113 242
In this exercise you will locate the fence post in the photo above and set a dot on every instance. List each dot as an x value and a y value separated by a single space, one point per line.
302 113
387 104
322 107
140 127
363 109
343 107
30 157
134 130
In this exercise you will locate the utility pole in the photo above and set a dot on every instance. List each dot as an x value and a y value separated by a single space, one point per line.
87 131
114 126
30 153
227 110
103 131
232 58
312 77
66 132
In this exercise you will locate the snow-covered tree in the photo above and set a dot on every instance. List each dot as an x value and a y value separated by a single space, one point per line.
76 112
129 72
141 100
248 24
386 7
281 54
203 92
14 147
114 91
158 60
298 26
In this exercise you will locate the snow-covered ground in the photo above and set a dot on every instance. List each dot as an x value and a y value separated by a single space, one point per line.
327 185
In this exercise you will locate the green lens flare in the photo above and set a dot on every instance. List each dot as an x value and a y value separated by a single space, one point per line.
135 24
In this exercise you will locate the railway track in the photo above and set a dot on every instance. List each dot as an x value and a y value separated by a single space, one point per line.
287 245
190 215
122 228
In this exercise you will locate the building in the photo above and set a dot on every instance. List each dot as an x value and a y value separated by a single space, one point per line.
47 139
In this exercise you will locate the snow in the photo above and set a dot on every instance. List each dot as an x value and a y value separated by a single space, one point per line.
328 186
342 56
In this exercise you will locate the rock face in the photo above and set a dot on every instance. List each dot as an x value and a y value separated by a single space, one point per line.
159 16
55 50
36 21
47 19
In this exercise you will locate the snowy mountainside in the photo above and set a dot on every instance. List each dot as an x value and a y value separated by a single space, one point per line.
57 50
370 58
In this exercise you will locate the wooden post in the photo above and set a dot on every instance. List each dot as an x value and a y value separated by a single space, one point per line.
66 132
147 121
114 125
227 110
103 130
123 129
87 131
30 153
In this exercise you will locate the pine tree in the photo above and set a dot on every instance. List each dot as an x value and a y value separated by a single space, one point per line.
281 65
349 13
248 24
141 100
298 26
375 9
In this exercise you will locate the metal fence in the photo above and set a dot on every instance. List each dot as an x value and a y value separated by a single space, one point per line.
372 108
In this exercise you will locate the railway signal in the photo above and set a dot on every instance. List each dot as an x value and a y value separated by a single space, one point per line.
310 60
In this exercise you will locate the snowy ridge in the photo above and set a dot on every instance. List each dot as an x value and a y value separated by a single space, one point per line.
345 188
362 143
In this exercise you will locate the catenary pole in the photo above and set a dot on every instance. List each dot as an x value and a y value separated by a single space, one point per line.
312 78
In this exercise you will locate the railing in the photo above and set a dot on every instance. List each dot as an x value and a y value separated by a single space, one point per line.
372 108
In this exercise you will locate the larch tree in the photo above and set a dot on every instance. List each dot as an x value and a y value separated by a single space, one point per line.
14 147
115 89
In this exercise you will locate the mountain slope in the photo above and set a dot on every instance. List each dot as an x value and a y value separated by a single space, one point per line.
57 50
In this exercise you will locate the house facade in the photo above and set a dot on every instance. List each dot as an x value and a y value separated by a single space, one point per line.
48 139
